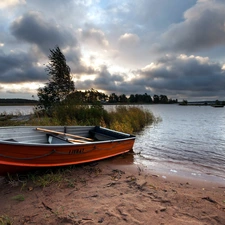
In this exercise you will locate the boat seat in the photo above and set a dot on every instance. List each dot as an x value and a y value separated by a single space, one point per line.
53 139
101 137
105 134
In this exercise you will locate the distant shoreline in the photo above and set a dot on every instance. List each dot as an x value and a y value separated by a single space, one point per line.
17 104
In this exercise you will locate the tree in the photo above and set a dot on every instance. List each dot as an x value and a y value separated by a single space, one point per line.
60 81
156 98
113 98
132 98
163 99
123 98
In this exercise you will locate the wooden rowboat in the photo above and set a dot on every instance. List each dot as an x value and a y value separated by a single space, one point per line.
28 147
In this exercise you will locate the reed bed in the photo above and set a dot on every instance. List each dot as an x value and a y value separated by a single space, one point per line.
129 119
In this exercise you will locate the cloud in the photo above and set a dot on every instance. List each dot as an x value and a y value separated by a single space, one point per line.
166 47
174 76
104 80
20 67
11 3
202 28
129 40
93 36
32 28
182 74
47 35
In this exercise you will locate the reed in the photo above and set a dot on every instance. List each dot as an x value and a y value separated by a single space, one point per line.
6 220
68 113
129 119
124 118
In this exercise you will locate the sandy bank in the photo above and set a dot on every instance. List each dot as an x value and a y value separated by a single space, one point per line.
114 191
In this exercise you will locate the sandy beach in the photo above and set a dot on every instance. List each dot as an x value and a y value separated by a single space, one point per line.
113 191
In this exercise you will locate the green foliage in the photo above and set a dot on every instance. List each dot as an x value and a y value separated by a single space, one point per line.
69 112
89 96
5 220
138 98
47 179
93 95
184 102
60 82
16 101
7 120
123 118
130 119
19 198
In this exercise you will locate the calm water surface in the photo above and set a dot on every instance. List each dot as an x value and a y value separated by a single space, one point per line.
24 110
189 141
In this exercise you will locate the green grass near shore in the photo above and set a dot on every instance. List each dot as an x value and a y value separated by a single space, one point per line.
129 119
5 220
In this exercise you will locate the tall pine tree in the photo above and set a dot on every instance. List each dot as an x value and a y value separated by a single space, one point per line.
60 81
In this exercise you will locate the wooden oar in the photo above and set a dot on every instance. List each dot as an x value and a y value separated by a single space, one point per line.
66 134
73 140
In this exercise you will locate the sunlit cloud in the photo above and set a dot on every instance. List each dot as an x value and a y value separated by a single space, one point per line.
129 39
172 47
10 3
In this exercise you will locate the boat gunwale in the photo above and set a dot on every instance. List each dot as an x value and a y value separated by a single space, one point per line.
36 144
64 144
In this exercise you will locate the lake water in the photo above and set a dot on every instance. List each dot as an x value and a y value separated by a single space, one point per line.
189 141
24 110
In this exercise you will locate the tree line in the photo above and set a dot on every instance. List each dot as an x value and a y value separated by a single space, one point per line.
92 95
17 101
61 88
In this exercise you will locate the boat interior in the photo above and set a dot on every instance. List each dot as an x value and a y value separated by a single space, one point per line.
59 134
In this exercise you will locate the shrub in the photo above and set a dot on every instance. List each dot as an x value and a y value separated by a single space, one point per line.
72 113
127 119
5 220
130 119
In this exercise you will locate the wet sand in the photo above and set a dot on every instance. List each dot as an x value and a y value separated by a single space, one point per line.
114 191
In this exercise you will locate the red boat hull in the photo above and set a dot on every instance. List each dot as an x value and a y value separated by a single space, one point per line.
17 157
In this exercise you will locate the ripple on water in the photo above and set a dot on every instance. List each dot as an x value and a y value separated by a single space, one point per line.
187 139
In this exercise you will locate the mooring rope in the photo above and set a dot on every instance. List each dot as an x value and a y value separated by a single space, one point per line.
30 158
95 147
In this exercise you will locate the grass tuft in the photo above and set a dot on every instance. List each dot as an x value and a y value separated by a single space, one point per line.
128 119
47 179
19 198
5 220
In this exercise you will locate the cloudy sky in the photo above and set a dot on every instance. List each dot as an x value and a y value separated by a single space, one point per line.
170 47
